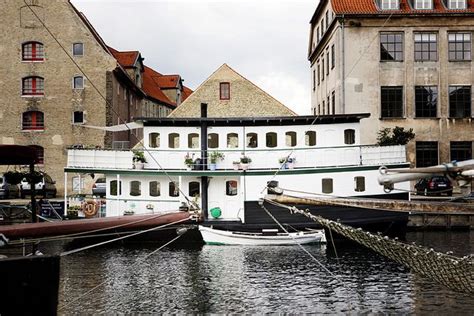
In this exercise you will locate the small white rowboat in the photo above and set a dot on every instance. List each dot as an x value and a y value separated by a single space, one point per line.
270 237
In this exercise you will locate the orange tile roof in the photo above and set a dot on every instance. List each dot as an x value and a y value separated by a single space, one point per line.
125 59
186 93
152 87
370 7
168 81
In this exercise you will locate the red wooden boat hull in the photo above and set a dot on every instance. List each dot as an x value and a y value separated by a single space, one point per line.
130 222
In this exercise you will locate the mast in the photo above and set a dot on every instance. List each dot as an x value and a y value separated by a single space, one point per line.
204 179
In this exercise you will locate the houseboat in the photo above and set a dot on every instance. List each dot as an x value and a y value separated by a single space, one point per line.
222 166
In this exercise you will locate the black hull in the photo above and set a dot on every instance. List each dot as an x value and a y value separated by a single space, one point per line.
388 223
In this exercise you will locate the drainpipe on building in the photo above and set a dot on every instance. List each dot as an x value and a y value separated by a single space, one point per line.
343 53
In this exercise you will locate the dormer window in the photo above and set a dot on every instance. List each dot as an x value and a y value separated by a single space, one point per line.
457 4
390 4
423 4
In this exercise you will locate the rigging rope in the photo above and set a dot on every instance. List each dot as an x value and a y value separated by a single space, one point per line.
453 272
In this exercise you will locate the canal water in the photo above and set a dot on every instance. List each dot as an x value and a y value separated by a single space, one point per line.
242 279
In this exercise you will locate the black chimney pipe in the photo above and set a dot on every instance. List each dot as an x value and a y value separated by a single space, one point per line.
204 179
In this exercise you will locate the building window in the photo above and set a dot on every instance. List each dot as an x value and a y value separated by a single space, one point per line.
224 91
32 86
322 69
426 101
32 51
459 46
319 74
78 49
314 79
78 117
290 139
461 151
271 140
391 46
426 46
78 82
328 101
423 4
359 184
193 140
391 102
327 20
333 57
324 108
173 140
310 138
135 188
327 62
33 120
194 189
327 184
154 187
39 151
317 34
459 101
333 96
426 154
349 136
231 188
457 4
154 140
113 187
389 4
213 140
252 140
232 140
173 189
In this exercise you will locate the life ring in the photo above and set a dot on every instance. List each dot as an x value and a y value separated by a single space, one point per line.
90 208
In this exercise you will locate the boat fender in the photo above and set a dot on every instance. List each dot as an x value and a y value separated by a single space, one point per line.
90 208
216 212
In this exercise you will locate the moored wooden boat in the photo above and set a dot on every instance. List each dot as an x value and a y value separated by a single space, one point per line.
213 236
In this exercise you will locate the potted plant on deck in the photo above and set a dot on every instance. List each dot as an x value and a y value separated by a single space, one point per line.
139 159
189 161
245 162
214 157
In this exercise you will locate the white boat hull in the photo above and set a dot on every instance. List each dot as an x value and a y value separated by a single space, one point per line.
220 237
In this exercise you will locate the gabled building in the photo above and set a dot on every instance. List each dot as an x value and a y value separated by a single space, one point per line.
407 62
229 94
58 78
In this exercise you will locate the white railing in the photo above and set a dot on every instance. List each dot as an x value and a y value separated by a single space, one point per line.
261 159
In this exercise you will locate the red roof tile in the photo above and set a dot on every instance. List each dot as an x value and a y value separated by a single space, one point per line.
370 7
152 88
186 93
168 81
125 59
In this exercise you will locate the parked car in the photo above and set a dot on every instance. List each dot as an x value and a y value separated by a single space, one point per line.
434 186
46 187
8 190
98 189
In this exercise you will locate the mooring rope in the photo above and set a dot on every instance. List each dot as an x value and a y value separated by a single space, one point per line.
450 271
66 253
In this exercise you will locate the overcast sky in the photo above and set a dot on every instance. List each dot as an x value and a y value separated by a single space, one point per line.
264 40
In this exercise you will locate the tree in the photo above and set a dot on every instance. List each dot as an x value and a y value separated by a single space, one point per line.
396 136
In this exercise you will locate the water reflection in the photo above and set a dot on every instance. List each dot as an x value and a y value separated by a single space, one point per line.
215 279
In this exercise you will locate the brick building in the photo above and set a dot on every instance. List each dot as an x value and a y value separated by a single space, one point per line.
229 94
407 62
58 77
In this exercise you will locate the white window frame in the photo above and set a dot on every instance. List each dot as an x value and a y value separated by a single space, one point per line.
423 4
457 4
390 4
83 49
74 82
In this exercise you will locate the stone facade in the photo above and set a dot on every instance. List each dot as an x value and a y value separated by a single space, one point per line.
357 75
245 99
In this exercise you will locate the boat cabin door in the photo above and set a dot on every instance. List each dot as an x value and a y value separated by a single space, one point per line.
226 194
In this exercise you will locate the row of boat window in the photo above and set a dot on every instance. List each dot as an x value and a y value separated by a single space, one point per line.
154 188
232 139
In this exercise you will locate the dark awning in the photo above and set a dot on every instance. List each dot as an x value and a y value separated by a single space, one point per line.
17 155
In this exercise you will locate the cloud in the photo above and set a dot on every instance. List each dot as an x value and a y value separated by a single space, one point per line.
264 40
